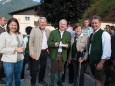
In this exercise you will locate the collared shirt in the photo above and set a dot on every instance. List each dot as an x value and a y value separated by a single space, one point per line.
81 35
77 37
25 40
3 28
87 31
44 41
60 44
106 45
61 33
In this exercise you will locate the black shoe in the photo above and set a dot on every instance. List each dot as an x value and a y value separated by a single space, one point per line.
59 83
28 68
51 85
22 77
63 78
70 82
107 83
2 81
44 83
32 84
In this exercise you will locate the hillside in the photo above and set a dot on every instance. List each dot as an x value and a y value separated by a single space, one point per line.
7 6
103 8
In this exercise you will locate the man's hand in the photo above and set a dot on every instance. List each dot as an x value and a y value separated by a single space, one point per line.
65 45
33 56
48 51
69 61
56 44
100 65
81 59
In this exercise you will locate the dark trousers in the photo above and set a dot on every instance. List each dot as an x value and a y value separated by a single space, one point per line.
70 67
76 71
38 67
2 74
28 60
71 74
107 71
109 68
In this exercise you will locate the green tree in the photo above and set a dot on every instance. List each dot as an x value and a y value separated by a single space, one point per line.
72 10
103 8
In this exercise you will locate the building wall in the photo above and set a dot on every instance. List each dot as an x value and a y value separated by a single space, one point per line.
26 20
50 27
103 24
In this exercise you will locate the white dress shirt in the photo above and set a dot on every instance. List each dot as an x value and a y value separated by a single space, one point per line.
25 40
44 41
106 45
60 44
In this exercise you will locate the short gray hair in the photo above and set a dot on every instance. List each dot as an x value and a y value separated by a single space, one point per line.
2 17
96 17
42 18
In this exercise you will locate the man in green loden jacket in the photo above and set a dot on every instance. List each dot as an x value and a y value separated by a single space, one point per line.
58 42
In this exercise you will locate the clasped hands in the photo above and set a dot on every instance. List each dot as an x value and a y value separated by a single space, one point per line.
19 49
63 45
81 59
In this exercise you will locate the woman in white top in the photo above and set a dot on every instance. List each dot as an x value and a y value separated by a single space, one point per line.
11 47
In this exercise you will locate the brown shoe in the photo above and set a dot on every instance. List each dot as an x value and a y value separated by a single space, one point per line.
2 81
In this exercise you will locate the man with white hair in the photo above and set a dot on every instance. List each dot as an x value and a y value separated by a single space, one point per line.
58 42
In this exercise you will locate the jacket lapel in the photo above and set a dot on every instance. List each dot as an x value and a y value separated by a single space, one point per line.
47 33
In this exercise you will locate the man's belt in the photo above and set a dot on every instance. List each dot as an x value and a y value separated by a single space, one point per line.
44 49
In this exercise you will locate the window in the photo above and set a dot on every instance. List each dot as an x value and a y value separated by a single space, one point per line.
27 18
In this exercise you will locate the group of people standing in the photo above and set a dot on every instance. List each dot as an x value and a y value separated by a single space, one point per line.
81 45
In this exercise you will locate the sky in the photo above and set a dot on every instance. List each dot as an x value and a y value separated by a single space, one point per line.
37 0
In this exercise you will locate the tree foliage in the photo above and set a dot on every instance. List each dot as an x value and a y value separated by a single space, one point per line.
101 8
71 10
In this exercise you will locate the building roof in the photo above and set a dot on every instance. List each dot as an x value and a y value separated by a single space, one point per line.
24 9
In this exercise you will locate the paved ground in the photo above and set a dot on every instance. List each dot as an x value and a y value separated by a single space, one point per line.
26 81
